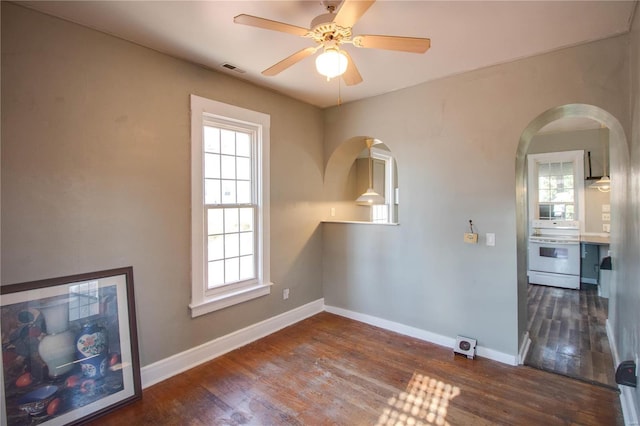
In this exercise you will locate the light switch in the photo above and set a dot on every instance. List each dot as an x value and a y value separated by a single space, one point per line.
333 211
491 239
606 208
606 217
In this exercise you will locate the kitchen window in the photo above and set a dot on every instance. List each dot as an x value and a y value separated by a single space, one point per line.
230 205
556 186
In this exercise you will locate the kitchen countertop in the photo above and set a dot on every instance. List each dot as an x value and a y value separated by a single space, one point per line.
594 239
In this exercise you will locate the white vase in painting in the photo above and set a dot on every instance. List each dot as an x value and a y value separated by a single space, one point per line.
57 348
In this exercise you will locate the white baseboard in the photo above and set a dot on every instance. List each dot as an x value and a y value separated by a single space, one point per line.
627 398
612 343
524 348
165 368
420 334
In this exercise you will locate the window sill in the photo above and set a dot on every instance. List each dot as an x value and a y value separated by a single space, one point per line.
229 299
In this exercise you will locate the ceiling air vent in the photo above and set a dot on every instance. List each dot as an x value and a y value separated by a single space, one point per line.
232 68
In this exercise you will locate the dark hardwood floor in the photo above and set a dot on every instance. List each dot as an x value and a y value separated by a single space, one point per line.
331 370
568 333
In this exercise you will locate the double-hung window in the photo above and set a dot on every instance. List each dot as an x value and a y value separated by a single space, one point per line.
230 205
556 186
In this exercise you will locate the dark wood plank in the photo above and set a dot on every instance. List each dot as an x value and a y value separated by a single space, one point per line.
332 370
568 333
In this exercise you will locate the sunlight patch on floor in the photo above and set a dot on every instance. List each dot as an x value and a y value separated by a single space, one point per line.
425 402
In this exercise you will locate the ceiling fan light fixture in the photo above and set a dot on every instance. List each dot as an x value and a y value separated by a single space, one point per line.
331 63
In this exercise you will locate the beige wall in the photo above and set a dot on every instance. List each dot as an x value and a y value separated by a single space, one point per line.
95 174
455 141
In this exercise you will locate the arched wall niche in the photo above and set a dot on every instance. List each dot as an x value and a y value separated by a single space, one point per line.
341 182
618 161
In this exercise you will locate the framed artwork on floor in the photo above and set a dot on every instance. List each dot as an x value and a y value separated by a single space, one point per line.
69 348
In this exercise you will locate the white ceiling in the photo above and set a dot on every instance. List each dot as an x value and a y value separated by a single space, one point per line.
465 35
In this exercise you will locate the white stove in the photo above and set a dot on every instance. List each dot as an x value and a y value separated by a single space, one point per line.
554 253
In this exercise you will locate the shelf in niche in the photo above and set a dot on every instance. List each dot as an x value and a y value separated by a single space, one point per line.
358 222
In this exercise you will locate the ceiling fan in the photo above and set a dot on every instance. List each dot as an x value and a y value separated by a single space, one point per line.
331 30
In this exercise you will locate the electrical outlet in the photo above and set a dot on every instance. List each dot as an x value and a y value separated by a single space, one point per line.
285 294
333 212
606 227
606 208
606 217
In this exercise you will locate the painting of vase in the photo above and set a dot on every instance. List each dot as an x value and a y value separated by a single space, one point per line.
57 347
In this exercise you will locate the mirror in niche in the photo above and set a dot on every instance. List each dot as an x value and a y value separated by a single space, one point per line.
375 168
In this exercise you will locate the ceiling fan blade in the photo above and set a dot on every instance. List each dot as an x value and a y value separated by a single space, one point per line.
351 76
351 11
268 24
405 44
291 60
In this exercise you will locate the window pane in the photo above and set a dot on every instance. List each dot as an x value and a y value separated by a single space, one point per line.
568 181
216 273
545 211
244 192
246 219
243 144
247 268
216 247
567 168
212 166
246 243
212 191
244 168
214 221
543 182
228 142
228 192
544 196
543 169
232 245
558 211
228 167
555 169
211 139
231 220
232 270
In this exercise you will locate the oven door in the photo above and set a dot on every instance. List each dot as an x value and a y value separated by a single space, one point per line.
558 257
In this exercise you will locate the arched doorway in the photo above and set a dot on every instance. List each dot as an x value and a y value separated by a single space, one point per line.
619 157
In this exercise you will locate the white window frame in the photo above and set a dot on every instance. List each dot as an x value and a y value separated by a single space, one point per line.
577 157
389 190
204 300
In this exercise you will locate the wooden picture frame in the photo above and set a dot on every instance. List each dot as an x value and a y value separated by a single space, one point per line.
69 348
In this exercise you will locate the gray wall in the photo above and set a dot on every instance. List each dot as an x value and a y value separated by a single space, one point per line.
455 141
96 174
627 298
588 140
